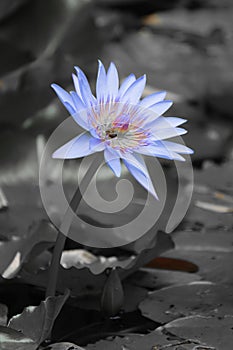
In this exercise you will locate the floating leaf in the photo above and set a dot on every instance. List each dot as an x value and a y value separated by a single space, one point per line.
36 322
81 281
11 339
216 208
154 279
197 298
204 241
155 340
63 346
207 332
212 197
80 258
14 252
213 265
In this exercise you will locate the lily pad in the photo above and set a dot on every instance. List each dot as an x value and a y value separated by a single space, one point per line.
197 298
155 340
11 339
154 279
205 240
213 266
81 281
207 332
63 346
14 252
213 186
36 322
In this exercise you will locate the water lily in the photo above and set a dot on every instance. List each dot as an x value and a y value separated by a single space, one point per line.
120 123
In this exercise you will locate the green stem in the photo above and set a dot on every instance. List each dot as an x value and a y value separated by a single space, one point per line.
65 227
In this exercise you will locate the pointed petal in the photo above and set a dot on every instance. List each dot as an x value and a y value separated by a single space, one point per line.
176 156
76 85
113 161
159 152
101 84
177 147
64 97
153 98
160 107
85 89
80 116
77 102
76 148
156 150
112 80
163 134
137 167
134 92
164 123
126 84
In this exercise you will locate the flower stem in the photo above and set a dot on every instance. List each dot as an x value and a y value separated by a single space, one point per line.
65 226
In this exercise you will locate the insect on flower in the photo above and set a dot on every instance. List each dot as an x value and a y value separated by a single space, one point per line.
120 123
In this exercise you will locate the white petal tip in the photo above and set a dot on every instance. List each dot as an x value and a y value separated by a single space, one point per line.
54 86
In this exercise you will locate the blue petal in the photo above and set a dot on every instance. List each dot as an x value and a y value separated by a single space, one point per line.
64 97
160 152
112 80
176 147
76 85
76 148
85 89
157 150
134 92
96 145
164 123
137 167
113 161
126 84
93 132
160 107
167 133
101 84
81 115
77 102
176 156
153 98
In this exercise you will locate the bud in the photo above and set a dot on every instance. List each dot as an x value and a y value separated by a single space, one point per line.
113 295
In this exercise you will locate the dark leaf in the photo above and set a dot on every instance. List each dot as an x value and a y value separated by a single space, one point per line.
155 340
14 252
82 281
206 332
63 346
212 193
14 340
216 240
37 321
154 279
197 298
214 266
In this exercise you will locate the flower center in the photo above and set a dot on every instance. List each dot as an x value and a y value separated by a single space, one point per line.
115 124
111 134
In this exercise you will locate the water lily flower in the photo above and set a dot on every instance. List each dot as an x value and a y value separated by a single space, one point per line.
120 123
